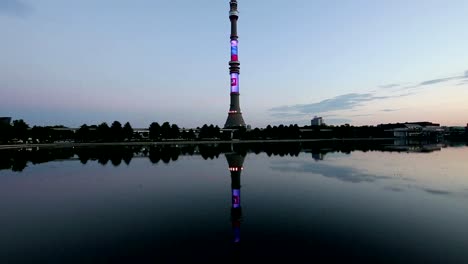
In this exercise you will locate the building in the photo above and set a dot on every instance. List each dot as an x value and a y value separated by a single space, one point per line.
418 130
5 120
317 121
234 118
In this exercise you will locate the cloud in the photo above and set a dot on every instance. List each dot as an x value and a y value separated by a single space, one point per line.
341 102
393 189
361 115
346 174
437 192
463 77
14 7
287 115
389 110
392 85
434 81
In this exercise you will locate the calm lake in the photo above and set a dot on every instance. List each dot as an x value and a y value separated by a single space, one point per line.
343 202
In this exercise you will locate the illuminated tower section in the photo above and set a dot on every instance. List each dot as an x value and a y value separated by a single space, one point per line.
235 115
235 162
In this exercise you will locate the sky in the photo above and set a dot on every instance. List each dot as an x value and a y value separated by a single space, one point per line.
360 62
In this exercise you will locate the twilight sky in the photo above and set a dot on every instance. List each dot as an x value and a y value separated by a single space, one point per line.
358 62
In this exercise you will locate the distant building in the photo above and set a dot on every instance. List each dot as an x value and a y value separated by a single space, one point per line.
317 121
418 130
5 120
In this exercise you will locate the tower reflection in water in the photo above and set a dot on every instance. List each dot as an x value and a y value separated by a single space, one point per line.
235 162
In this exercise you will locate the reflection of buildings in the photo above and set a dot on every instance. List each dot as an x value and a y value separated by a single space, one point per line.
317 156
235 162
415 146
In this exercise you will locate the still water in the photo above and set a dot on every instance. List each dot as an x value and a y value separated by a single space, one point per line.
306 203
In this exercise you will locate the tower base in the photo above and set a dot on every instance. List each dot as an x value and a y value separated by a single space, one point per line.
234 120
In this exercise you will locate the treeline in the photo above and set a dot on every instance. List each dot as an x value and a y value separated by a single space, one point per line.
20 132
17 160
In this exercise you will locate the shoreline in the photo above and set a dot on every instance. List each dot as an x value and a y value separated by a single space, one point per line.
149 143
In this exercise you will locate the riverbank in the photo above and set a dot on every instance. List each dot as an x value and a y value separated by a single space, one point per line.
148 143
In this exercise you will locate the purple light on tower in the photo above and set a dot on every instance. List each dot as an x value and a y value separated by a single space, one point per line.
234 83
235 118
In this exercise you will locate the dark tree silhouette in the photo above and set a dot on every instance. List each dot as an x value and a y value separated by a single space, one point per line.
127 131
154 131
175 132
166 130
103 131
204 132
82 134
116 132
20 129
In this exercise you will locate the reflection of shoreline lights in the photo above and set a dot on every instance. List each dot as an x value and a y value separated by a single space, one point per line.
236 169
234 83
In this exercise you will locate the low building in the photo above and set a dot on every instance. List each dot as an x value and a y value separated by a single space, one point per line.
5 120
409 130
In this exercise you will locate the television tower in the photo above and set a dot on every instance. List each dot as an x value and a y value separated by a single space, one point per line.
235 115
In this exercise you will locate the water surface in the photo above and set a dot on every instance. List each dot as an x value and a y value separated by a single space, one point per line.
300 202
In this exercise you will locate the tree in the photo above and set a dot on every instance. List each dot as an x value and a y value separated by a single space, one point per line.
204 132
116 131
268 132
154 131
127 131
82 134
165 130
175 132
103 131
20 129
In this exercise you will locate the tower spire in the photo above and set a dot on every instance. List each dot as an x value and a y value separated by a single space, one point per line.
235 118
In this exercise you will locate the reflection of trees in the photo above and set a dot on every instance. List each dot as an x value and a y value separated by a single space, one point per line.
114 154
165 154
209 151
17 160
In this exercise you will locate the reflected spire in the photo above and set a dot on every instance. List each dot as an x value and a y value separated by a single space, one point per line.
236 162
